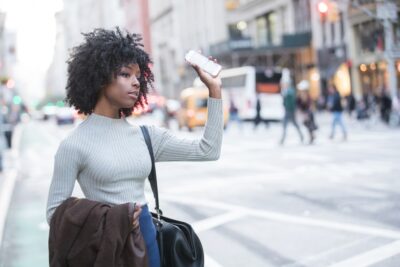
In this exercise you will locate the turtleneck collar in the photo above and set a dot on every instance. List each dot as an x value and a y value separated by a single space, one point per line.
104 120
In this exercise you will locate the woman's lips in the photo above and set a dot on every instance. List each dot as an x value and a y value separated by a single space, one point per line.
133 95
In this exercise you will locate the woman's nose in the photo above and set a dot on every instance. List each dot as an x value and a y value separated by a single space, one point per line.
135 82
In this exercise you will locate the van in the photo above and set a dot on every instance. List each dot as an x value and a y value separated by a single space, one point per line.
193 111
244 84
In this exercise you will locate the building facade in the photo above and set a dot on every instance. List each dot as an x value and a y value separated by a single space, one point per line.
331 42
80 16
368 43
176 27
262 33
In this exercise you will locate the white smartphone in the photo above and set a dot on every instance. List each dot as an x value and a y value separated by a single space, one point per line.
203 62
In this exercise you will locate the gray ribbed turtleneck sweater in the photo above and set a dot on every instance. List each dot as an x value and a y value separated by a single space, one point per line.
109 158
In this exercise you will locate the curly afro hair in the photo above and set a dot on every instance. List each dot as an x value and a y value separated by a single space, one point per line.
94 64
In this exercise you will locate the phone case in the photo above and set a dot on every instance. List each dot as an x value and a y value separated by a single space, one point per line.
203 62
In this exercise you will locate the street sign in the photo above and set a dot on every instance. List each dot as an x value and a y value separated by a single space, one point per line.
386 10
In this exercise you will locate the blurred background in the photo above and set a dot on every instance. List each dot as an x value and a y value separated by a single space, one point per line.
309 171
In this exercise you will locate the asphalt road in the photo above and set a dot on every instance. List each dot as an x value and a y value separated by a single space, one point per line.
332 204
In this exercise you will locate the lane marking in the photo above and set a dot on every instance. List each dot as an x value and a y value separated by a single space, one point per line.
306 261
210 262
371 257
281 217
216 221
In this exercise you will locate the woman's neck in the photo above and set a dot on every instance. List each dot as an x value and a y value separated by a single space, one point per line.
104 108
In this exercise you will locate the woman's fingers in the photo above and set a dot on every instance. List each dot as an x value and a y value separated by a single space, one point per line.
136 215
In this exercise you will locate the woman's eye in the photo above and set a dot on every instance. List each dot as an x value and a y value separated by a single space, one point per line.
124 74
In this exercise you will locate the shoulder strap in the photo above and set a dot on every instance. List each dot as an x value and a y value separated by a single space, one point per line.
153 174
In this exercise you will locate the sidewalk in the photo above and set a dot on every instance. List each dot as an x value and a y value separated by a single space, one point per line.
8 178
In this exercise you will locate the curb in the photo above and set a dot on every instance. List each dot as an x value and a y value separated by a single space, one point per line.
10 177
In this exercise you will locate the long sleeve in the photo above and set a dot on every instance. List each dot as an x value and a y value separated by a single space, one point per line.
66 169
168 147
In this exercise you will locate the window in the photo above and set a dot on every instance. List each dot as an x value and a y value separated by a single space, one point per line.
234 81
371 37
234 32
266 29
201 103
302 15
262 32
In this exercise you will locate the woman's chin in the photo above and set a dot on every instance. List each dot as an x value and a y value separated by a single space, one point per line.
129 105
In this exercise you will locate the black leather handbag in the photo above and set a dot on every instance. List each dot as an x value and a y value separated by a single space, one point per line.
178 243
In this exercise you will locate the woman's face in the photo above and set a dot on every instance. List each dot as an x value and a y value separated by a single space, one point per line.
123 92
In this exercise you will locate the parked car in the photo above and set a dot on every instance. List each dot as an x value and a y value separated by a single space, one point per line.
65 115
48 112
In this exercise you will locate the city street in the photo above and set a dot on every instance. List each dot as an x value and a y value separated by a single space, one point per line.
331 204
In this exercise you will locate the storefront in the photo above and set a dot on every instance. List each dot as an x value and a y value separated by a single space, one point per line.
373 77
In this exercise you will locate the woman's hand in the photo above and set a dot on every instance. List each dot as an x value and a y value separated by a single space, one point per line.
136 215
213 83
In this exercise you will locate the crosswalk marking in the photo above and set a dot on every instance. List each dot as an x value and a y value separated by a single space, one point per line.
215 221
371 257
281 217
210 262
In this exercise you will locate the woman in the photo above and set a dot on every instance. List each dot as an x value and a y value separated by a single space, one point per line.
109 76
306 107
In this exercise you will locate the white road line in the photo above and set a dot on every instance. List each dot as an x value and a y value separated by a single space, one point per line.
281 217
306 261
215 221
371 257
210 262
218 182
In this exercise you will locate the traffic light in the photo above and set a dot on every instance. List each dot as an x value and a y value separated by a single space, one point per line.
17 100
333 12
328 10
323 8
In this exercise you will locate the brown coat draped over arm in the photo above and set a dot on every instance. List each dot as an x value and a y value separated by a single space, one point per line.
89 233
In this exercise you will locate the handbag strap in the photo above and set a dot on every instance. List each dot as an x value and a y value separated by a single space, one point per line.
153 174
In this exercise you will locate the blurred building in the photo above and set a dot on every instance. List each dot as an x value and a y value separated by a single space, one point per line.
370 70
2 23
76 17
330 28
269 34
7 49
176 27
137 20
80 16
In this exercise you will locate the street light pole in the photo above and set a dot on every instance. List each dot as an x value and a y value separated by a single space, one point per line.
388 26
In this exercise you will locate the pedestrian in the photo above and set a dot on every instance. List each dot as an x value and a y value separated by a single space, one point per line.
289 103
335 105
306 108
234 112
351 104
3 141
11 118
108 77
385 106
257 118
